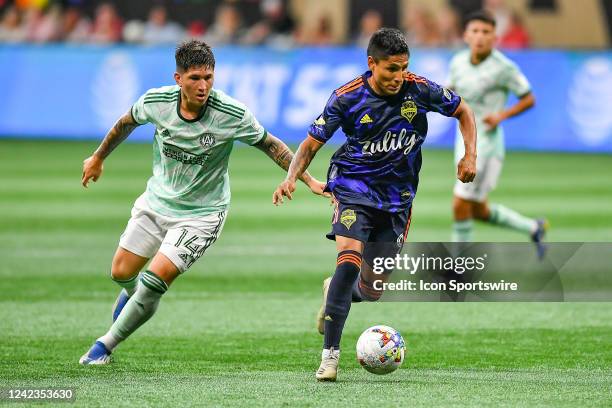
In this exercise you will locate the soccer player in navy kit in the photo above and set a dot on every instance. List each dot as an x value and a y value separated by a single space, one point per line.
374 175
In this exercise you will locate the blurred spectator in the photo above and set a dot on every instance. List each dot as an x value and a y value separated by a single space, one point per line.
158 30
370 21
32 16
133 31
44 26
227 27
276 27
11 27
516 35
501 13
421 27
319 36
75 27
196 29
450 27
107 26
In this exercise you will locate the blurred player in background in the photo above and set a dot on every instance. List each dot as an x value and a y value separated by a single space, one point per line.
184 207
374 175
483 76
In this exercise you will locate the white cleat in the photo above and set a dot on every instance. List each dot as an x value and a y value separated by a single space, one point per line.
321 314
328 370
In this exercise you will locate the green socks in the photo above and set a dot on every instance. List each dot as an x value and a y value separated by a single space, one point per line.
506 217
141 306
129 284
462 231
499 215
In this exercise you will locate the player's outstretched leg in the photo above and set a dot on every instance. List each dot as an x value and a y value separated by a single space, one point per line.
538 237
463 224
363 291
139 308
337 309
534 228
121 301
124 271
321 312
363 288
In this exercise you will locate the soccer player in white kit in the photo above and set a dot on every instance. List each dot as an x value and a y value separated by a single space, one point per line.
484 77
184 207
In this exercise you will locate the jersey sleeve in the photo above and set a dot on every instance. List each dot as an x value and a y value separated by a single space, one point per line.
442 100
249 130
140 111
515 81
324 127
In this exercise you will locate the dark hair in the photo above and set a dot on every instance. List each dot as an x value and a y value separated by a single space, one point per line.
386 42
193 53
480 15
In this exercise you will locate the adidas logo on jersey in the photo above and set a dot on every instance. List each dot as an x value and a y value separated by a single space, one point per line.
366 119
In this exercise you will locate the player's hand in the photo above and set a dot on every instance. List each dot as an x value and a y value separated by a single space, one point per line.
92 170
286 188
493 120
318 187
466 169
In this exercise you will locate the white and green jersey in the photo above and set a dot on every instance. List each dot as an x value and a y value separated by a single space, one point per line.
485 87
190 157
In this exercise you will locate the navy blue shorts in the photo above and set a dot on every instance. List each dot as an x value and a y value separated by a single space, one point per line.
372 226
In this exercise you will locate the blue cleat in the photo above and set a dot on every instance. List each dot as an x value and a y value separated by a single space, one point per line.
122 299
98 354
538 237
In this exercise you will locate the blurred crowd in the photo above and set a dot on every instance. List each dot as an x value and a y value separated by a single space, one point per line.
52 22
445 28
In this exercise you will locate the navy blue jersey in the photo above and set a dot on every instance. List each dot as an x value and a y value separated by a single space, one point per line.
379 164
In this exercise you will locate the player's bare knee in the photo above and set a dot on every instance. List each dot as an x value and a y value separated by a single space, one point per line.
461 209
126 265
122 269
164 268
348 244
481 211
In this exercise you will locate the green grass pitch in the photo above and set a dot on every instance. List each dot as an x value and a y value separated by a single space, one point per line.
238 328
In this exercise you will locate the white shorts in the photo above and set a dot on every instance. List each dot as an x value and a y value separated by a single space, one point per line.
487 173
182 240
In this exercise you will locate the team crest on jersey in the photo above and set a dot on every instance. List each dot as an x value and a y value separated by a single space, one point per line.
207 140
409 110
320 121
348 218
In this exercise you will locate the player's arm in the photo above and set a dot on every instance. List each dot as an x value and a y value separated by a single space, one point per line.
92 166
300 162
318 133
280 153
466 169
524 103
